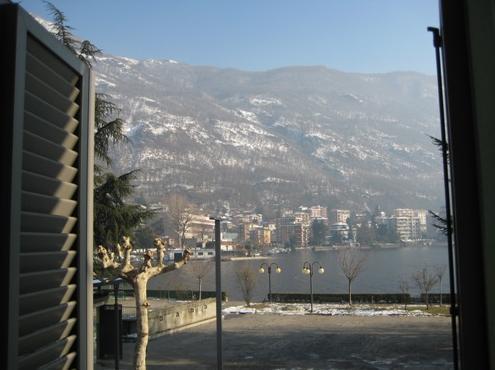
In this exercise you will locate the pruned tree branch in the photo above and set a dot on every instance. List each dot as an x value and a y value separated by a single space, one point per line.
139 276
107 258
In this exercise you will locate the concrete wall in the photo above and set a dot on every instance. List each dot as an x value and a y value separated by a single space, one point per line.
166 320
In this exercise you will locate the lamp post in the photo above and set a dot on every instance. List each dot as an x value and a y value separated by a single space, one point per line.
308 269
116 283
218 285
278 270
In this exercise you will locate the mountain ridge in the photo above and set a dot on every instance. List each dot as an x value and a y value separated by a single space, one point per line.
186 121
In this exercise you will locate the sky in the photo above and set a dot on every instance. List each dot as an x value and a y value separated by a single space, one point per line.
370 36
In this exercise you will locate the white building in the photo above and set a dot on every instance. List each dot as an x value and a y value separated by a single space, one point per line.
339 215
409 224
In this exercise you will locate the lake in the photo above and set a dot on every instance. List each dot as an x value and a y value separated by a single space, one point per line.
383 271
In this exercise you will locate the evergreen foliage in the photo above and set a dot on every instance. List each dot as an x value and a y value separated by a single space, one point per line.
319 231
440 222
114 218
108 127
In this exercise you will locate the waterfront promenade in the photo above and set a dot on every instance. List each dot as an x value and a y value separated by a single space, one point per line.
270 341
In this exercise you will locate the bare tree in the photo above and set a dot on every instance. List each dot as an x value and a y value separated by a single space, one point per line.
439 273
139 276
404 289
180 216
199 269
425 281
352 264
246 277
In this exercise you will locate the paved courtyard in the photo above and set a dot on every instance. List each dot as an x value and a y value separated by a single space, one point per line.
305 342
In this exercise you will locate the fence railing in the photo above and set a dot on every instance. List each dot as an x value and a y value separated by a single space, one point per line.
180 295
358 298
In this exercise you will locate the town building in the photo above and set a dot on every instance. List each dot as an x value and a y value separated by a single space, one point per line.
245 231
200 227
302 217
318 212
409 224
291 231
261 235
339 215
339 231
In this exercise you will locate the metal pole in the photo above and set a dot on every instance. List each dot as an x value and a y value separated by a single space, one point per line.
311 285
218 278
270 284
437 43
117 324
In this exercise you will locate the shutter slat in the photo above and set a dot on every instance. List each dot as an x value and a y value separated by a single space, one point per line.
48 75
42 280
46 242
43 318
58 66
46 167
45 148
33 202
52 333
48 112
43 261
37 301
32 119
39 88
36 183
63 363
39 222
47 354
40 127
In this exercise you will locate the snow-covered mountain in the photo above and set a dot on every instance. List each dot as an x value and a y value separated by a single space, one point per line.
283 137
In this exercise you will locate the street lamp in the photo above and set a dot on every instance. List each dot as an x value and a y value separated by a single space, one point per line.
116 283
308 269
278 270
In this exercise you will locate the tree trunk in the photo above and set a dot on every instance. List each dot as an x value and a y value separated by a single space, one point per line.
142 322
199 294
349 289
427 301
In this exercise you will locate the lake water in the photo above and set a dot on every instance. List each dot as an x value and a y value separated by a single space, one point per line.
383 271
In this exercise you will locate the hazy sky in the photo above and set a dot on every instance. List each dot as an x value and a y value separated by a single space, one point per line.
349 35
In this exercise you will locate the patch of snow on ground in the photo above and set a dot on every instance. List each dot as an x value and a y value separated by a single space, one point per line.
102 81
276 180
245 135
263 101
130 60
146 99
354 97
250 116
323 309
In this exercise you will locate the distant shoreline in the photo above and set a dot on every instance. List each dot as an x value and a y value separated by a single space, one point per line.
245 258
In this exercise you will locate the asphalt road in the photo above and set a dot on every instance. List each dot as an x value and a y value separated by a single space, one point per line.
305 342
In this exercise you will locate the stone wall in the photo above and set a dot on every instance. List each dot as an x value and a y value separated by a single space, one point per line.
182 315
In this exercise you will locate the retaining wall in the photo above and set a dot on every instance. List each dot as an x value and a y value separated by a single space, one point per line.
176 317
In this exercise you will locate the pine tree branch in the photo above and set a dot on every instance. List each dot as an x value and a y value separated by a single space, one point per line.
441 223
